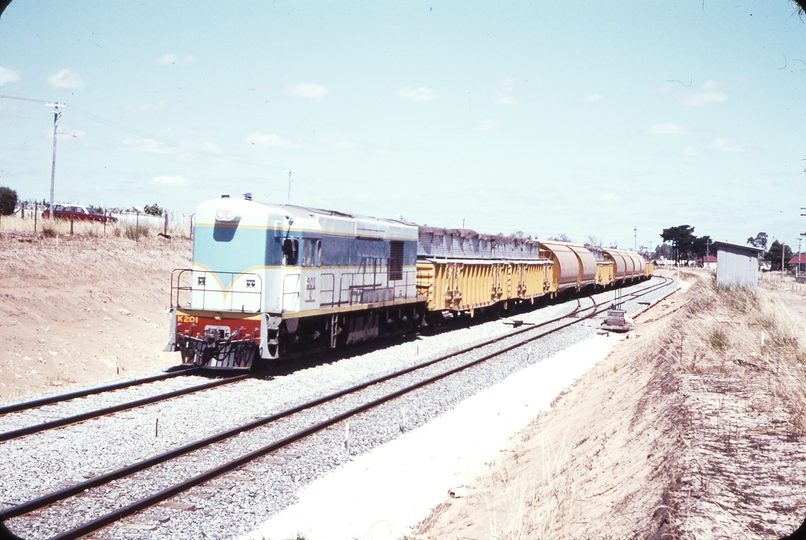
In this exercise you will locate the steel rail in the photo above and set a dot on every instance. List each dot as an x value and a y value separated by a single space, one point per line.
121 513
35 504
25 405
171 491
37 428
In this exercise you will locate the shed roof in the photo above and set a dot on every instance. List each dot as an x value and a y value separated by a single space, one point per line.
746 247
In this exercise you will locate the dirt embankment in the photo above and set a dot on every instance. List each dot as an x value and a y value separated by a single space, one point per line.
82 309
690 429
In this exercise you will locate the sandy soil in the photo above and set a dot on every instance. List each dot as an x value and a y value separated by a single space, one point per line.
690 430
83 309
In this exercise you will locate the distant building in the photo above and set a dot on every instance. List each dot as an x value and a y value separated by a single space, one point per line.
800 260
709 262
736 265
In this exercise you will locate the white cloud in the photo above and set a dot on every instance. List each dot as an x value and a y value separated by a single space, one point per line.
421 93
273 140
159 105
66 80
593 98
669 129
8 75
314 92
171 58
172 181
503 96
732 146
709 93
488 124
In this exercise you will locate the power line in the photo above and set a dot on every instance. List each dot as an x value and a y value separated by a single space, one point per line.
127 129
26 99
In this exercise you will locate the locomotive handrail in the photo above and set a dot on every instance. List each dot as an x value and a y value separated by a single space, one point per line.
201 289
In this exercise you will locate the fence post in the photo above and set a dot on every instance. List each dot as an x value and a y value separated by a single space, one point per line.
137 225
165 227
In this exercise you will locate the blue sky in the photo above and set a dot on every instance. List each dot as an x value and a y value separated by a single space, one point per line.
582 118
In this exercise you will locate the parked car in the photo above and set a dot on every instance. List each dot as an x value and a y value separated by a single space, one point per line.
78 213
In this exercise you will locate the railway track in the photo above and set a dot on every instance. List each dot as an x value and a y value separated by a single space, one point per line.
97 413
378 394
50 400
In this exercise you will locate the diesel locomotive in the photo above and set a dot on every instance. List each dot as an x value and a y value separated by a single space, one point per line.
277 281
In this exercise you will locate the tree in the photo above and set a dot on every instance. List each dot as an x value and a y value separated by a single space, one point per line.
8 201
759 241
153 210
663 251
773 256
700 246
681 238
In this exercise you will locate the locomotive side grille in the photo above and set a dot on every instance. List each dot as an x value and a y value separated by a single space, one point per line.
395 260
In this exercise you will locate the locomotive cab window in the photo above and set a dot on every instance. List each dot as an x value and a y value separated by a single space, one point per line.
290 252
311 252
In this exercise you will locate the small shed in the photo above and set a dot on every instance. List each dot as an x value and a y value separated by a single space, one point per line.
736 265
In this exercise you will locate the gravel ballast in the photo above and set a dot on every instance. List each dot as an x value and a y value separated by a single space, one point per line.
236 502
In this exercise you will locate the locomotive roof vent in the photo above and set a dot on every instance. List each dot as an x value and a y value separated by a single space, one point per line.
225 196
247 196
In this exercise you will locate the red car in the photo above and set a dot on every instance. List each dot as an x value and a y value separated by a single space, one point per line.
78 213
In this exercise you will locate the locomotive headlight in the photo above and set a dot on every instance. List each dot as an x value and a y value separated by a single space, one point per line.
224 215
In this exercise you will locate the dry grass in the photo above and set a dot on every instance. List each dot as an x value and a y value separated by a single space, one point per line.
45 228
695 430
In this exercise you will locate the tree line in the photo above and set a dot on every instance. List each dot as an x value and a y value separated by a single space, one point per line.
681 244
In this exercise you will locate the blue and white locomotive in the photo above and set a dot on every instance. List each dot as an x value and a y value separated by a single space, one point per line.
271 281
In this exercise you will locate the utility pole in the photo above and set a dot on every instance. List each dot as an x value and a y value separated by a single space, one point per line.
56 115
635 238
783 251
289 171
797 268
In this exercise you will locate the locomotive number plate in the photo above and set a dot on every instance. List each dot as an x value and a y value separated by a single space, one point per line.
187 319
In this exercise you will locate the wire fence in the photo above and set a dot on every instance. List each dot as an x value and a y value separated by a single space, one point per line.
171 221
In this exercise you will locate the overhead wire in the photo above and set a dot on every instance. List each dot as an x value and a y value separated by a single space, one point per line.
124 128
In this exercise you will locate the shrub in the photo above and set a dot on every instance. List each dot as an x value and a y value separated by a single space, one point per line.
131 232
718 339
8 201
153 210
